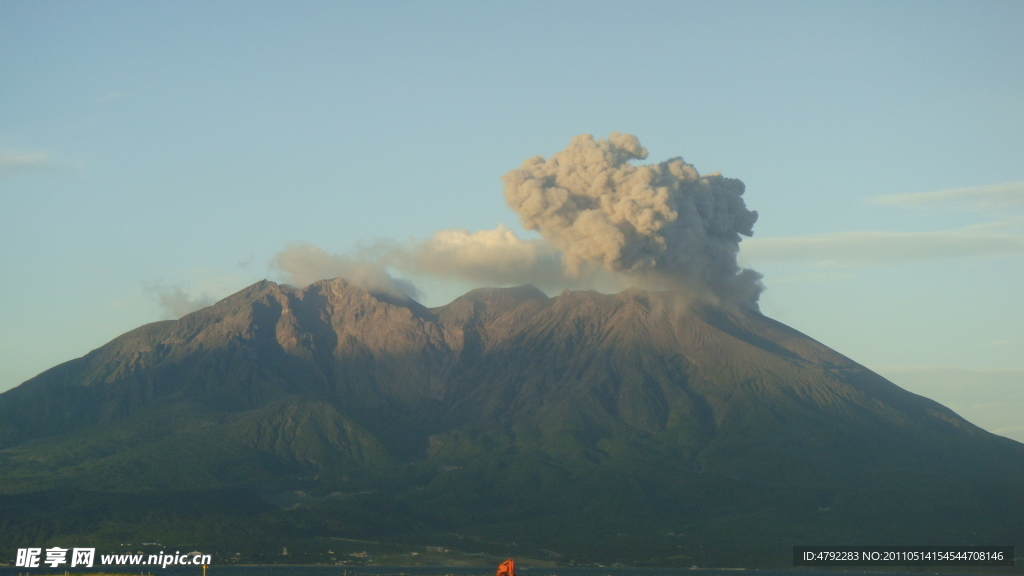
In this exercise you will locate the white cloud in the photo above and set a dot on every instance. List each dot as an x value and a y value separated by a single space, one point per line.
11 162
995 195
1002 238
866 248
495 257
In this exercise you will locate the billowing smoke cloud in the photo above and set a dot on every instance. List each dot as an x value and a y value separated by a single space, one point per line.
304 264
176 302
661 224
605 224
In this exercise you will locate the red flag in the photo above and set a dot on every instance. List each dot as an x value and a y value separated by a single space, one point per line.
507 568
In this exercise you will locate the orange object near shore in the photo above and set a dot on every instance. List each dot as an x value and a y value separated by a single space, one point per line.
507 568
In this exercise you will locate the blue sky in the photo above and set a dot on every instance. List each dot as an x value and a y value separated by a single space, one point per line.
153 147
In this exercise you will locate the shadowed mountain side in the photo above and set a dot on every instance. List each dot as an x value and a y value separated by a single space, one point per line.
510 416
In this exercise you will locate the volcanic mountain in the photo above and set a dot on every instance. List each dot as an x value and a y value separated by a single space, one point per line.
633 428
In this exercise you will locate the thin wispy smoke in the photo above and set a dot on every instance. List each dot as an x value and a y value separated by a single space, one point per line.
176 301
304 264
660 224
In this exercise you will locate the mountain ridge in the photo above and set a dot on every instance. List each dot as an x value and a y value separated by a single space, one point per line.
509 414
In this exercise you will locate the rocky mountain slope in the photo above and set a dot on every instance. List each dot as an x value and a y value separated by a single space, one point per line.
631 427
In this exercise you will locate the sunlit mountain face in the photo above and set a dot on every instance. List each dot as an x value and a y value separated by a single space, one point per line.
639 428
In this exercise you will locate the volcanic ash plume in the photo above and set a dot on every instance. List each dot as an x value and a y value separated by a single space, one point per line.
661 224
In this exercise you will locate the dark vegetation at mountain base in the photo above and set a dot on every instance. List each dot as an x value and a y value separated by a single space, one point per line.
585 428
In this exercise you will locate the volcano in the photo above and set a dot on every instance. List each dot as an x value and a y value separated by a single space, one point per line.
635 428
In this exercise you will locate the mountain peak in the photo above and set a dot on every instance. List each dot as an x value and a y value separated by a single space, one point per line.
516 294
586 409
